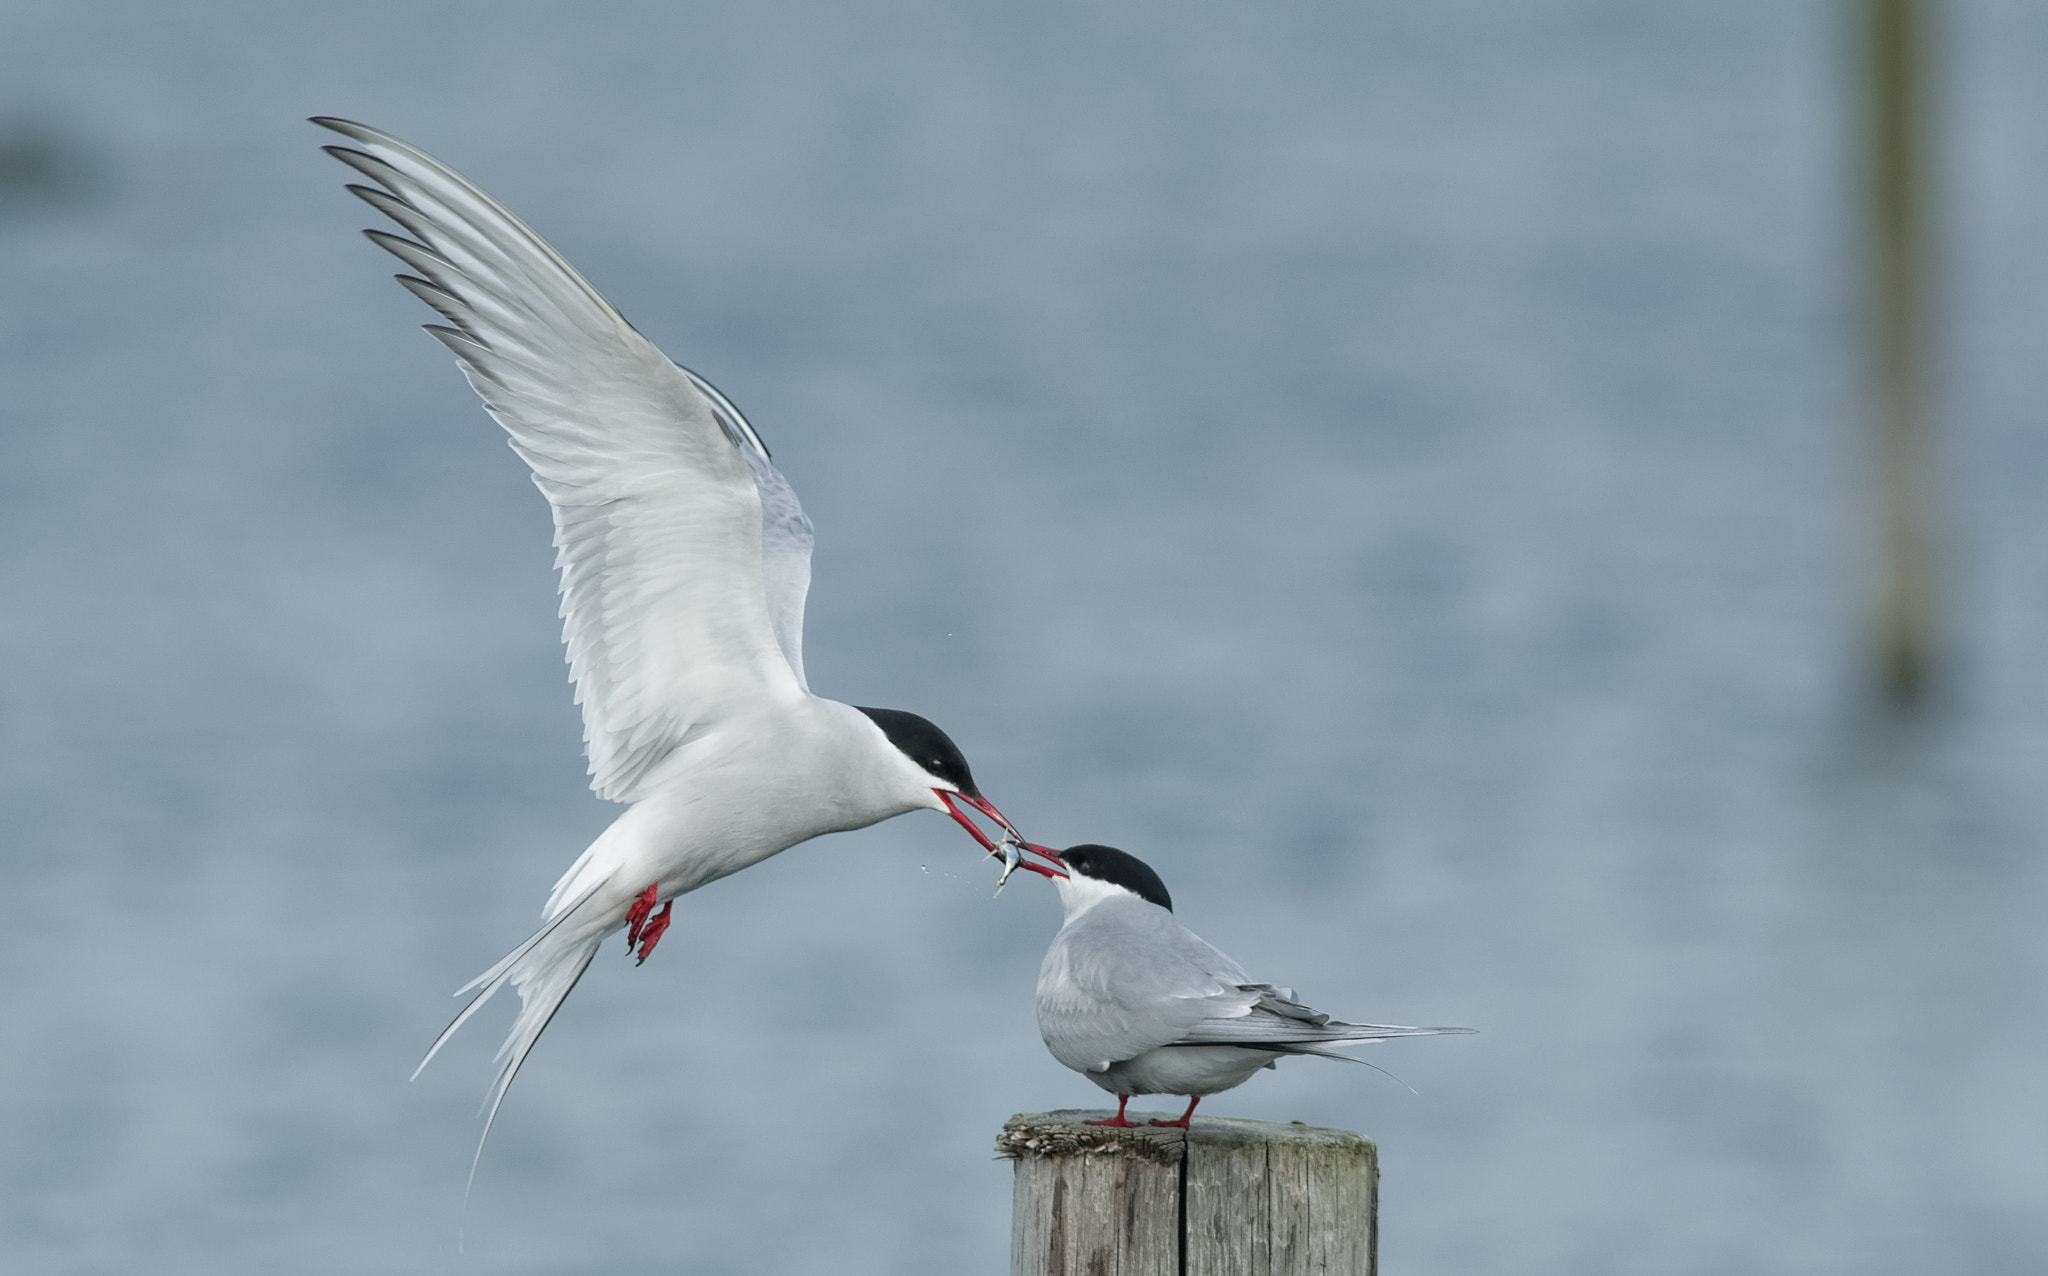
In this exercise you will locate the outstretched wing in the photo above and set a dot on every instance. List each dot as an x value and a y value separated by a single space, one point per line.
684 555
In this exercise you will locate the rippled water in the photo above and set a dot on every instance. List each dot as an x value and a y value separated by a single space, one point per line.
1387 465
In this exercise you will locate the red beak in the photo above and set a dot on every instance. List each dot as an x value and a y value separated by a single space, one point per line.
1059 866
954 801
982 805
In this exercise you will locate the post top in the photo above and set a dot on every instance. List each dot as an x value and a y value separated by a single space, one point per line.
1065 1133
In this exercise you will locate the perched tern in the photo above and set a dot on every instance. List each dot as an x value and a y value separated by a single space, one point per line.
1139 1004
685 559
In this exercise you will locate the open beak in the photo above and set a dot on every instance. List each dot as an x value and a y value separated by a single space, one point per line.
954 801
1058 867
1009 845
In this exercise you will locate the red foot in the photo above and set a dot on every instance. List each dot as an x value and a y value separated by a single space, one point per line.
1182 1124
657 926
636 916
1117 1120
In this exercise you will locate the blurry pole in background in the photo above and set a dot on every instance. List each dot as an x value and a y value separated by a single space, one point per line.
1894 70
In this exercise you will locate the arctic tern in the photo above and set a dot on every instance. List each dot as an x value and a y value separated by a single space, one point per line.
1139 1004
685 559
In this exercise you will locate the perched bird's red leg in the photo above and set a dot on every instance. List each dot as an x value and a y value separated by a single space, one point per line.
656 926
636 916
1117 1120
1193 1099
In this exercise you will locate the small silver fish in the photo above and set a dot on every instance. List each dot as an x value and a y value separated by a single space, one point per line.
1012 854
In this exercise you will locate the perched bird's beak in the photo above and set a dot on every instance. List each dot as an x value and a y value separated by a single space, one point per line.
1006 847
1058 867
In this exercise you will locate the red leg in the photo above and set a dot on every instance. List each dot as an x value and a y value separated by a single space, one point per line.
657 926
636 916
1193 1099
1117 1120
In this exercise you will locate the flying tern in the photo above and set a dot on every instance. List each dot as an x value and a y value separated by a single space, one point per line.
1139 1004
685 558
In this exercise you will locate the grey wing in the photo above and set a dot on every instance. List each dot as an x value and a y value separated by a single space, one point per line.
786 534
1124 978
1276 1019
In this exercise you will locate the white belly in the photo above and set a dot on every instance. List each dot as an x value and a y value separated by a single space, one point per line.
1189 1070
741 793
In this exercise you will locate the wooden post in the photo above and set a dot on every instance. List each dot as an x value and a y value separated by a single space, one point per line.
1895 34
1226 1198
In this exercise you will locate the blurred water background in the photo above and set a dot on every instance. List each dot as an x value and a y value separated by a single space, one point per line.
1393 467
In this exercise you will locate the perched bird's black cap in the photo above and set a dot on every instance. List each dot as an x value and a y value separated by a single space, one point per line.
1118 868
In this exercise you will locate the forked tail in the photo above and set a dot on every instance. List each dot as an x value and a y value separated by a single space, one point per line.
544 970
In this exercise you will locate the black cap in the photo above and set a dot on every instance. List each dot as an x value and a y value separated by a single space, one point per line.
925 745
1108 864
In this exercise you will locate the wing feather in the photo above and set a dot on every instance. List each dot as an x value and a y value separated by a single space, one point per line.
678 543
1263 1028
1126 977
786 535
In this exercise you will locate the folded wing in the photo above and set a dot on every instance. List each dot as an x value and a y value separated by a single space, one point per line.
1126 978
684 555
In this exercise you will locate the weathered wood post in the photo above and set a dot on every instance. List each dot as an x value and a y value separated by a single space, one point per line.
1900 301
1225 1198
